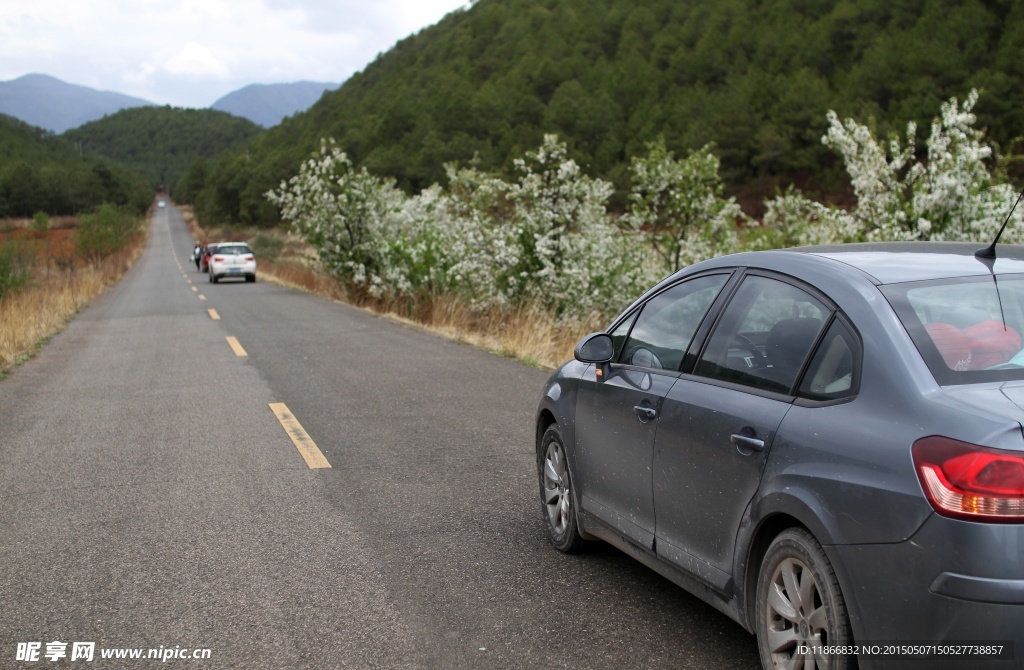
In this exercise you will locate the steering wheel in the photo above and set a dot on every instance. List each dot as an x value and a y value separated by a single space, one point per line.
645 358
760 359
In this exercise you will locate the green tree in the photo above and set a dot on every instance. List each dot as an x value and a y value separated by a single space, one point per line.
15 272
105 231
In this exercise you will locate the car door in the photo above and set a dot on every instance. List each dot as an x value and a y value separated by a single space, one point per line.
617 414
718 423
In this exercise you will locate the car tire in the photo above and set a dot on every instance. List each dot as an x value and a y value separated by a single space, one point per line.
793 613
250 278
558 497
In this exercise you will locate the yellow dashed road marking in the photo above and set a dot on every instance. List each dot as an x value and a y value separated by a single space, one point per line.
195 288
213 314
202 297
235 346
303 442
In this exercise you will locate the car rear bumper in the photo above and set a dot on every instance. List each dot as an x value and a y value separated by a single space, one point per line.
954 584
979 589
222 270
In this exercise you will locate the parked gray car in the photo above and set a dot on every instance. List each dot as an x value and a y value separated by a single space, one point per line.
824 443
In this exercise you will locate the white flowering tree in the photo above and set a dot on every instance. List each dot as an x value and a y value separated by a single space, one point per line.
415 248
561 225
791 219
546 238
342 212
678 204
950 193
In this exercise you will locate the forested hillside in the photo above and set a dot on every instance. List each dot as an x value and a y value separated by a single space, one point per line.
160 143
755 78
43 173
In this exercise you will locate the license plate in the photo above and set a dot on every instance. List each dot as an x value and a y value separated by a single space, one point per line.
235 271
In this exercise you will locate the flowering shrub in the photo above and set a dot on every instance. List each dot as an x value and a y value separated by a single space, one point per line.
949 195
546 238
678 203
569 254
791 220
341 212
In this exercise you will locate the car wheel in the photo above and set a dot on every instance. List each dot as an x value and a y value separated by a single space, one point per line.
250 278
557 495
800 606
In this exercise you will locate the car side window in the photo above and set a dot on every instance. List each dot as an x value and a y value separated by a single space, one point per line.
764 336
620 334
832 373
668 321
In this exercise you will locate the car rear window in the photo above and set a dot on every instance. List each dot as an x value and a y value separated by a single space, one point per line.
234 250
967 329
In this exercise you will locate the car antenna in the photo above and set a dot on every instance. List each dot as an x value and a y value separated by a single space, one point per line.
990 250
988 257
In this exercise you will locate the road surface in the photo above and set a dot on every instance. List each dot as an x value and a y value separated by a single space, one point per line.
151 499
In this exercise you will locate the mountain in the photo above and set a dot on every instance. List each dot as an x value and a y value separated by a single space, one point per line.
160 143
756 79
268 104
46 102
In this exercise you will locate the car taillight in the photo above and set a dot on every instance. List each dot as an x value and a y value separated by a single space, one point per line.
966 481
219 259
249 258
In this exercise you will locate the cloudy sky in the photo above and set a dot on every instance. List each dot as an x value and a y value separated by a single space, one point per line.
189 53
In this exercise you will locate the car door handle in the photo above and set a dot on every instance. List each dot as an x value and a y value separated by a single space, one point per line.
746 442
646 412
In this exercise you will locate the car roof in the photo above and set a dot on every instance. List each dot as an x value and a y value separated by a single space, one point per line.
894 262
834 268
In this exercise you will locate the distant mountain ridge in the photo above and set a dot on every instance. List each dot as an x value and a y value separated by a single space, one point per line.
268 104
49 103
57 106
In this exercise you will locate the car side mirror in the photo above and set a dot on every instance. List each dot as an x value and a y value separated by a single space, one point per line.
595 348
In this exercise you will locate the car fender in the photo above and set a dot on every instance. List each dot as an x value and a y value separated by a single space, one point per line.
767 515
558 405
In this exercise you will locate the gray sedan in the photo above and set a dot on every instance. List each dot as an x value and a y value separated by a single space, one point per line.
825 444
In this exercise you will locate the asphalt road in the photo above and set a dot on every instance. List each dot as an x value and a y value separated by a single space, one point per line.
150 498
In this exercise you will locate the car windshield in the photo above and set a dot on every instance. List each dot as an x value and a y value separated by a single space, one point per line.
234 250
967 329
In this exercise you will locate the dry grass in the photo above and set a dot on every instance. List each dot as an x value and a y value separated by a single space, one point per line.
31 316
531 334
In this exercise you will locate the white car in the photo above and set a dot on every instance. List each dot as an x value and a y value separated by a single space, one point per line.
232 259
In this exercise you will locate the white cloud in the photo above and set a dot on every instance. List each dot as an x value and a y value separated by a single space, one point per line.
195 60
191 52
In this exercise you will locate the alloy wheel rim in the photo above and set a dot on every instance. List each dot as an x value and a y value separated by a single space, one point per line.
797 619
556 498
